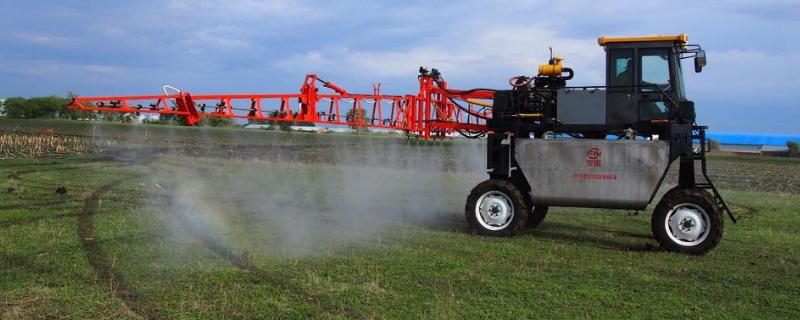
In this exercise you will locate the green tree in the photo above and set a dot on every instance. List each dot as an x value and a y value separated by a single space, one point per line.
217 122
713 145
78 114
118 117
75 114
36 107
282 125
47 107
17 108
794 148
168 118
356 117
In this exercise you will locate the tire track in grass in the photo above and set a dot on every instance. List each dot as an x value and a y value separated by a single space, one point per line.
16 174
243 263
97 258
39 205
54 161
747 211
102 161
99 261
26 220
120 288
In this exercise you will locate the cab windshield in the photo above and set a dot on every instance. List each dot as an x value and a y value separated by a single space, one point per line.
654 69
679 79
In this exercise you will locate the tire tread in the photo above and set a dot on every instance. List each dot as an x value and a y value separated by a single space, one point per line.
520 206
677 196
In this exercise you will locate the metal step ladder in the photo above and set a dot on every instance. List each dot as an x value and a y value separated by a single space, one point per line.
699 134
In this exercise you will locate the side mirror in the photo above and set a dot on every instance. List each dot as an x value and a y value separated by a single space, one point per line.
699 61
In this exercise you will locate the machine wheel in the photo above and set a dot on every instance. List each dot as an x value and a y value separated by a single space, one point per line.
536 216
496 208
687 221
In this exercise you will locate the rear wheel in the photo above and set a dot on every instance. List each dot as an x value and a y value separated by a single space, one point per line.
536 216
496 208
687 221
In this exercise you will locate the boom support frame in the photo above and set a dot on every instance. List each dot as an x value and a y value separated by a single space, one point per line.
432 113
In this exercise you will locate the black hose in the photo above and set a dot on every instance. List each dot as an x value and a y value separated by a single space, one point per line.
469 112
469 91
470 134
570 73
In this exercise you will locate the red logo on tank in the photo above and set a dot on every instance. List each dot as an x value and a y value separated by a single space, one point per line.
593 158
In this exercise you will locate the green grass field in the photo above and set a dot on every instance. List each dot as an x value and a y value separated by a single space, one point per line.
225 223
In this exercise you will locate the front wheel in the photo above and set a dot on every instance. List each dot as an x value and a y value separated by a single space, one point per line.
496 208
687 221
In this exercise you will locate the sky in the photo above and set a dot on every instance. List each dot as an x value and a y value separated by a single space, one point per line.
751 83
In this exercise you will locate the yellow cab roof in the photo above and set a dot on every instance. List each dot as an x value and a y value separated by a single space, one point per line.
682 38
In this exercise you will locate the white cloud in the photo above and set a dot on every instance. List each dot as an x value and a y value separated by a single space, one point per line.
47 68
225 37
744 71
466 51
311 60
42 39
235 9
100 69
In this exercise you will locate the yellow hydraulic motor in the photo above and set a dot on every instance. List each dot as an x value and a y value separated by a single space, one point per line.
555 69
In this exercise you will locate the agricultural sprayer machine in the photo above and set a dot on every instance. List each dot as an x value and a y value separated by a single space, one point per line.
547 144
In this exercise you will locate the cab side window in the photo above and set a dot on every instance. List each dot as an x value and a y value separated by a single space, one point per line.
621 73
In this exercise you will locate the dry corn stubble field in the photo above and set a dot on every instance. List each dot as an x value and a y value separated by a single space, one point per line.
165 222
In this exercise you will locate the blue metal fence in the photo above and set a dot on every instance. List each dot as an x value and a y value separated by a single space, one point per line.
756 139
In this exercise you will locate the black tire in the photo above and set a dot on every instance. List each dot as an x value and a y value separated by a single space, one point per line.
672 192
536 216
702 209
505 195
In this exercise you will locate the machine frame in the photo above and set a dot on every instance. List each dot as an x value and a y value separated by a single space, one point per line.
701 204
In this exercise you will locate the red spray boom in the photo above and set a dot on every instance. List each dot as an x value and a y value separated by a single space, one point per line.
433 112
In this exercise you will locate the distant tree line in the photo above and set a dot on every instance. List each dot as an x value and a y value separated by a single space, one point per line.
42 107
55 107
280 125
354 116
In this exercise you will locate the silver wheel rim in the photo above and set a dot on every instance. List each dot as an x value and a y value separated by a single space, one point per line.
494 210
687 224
